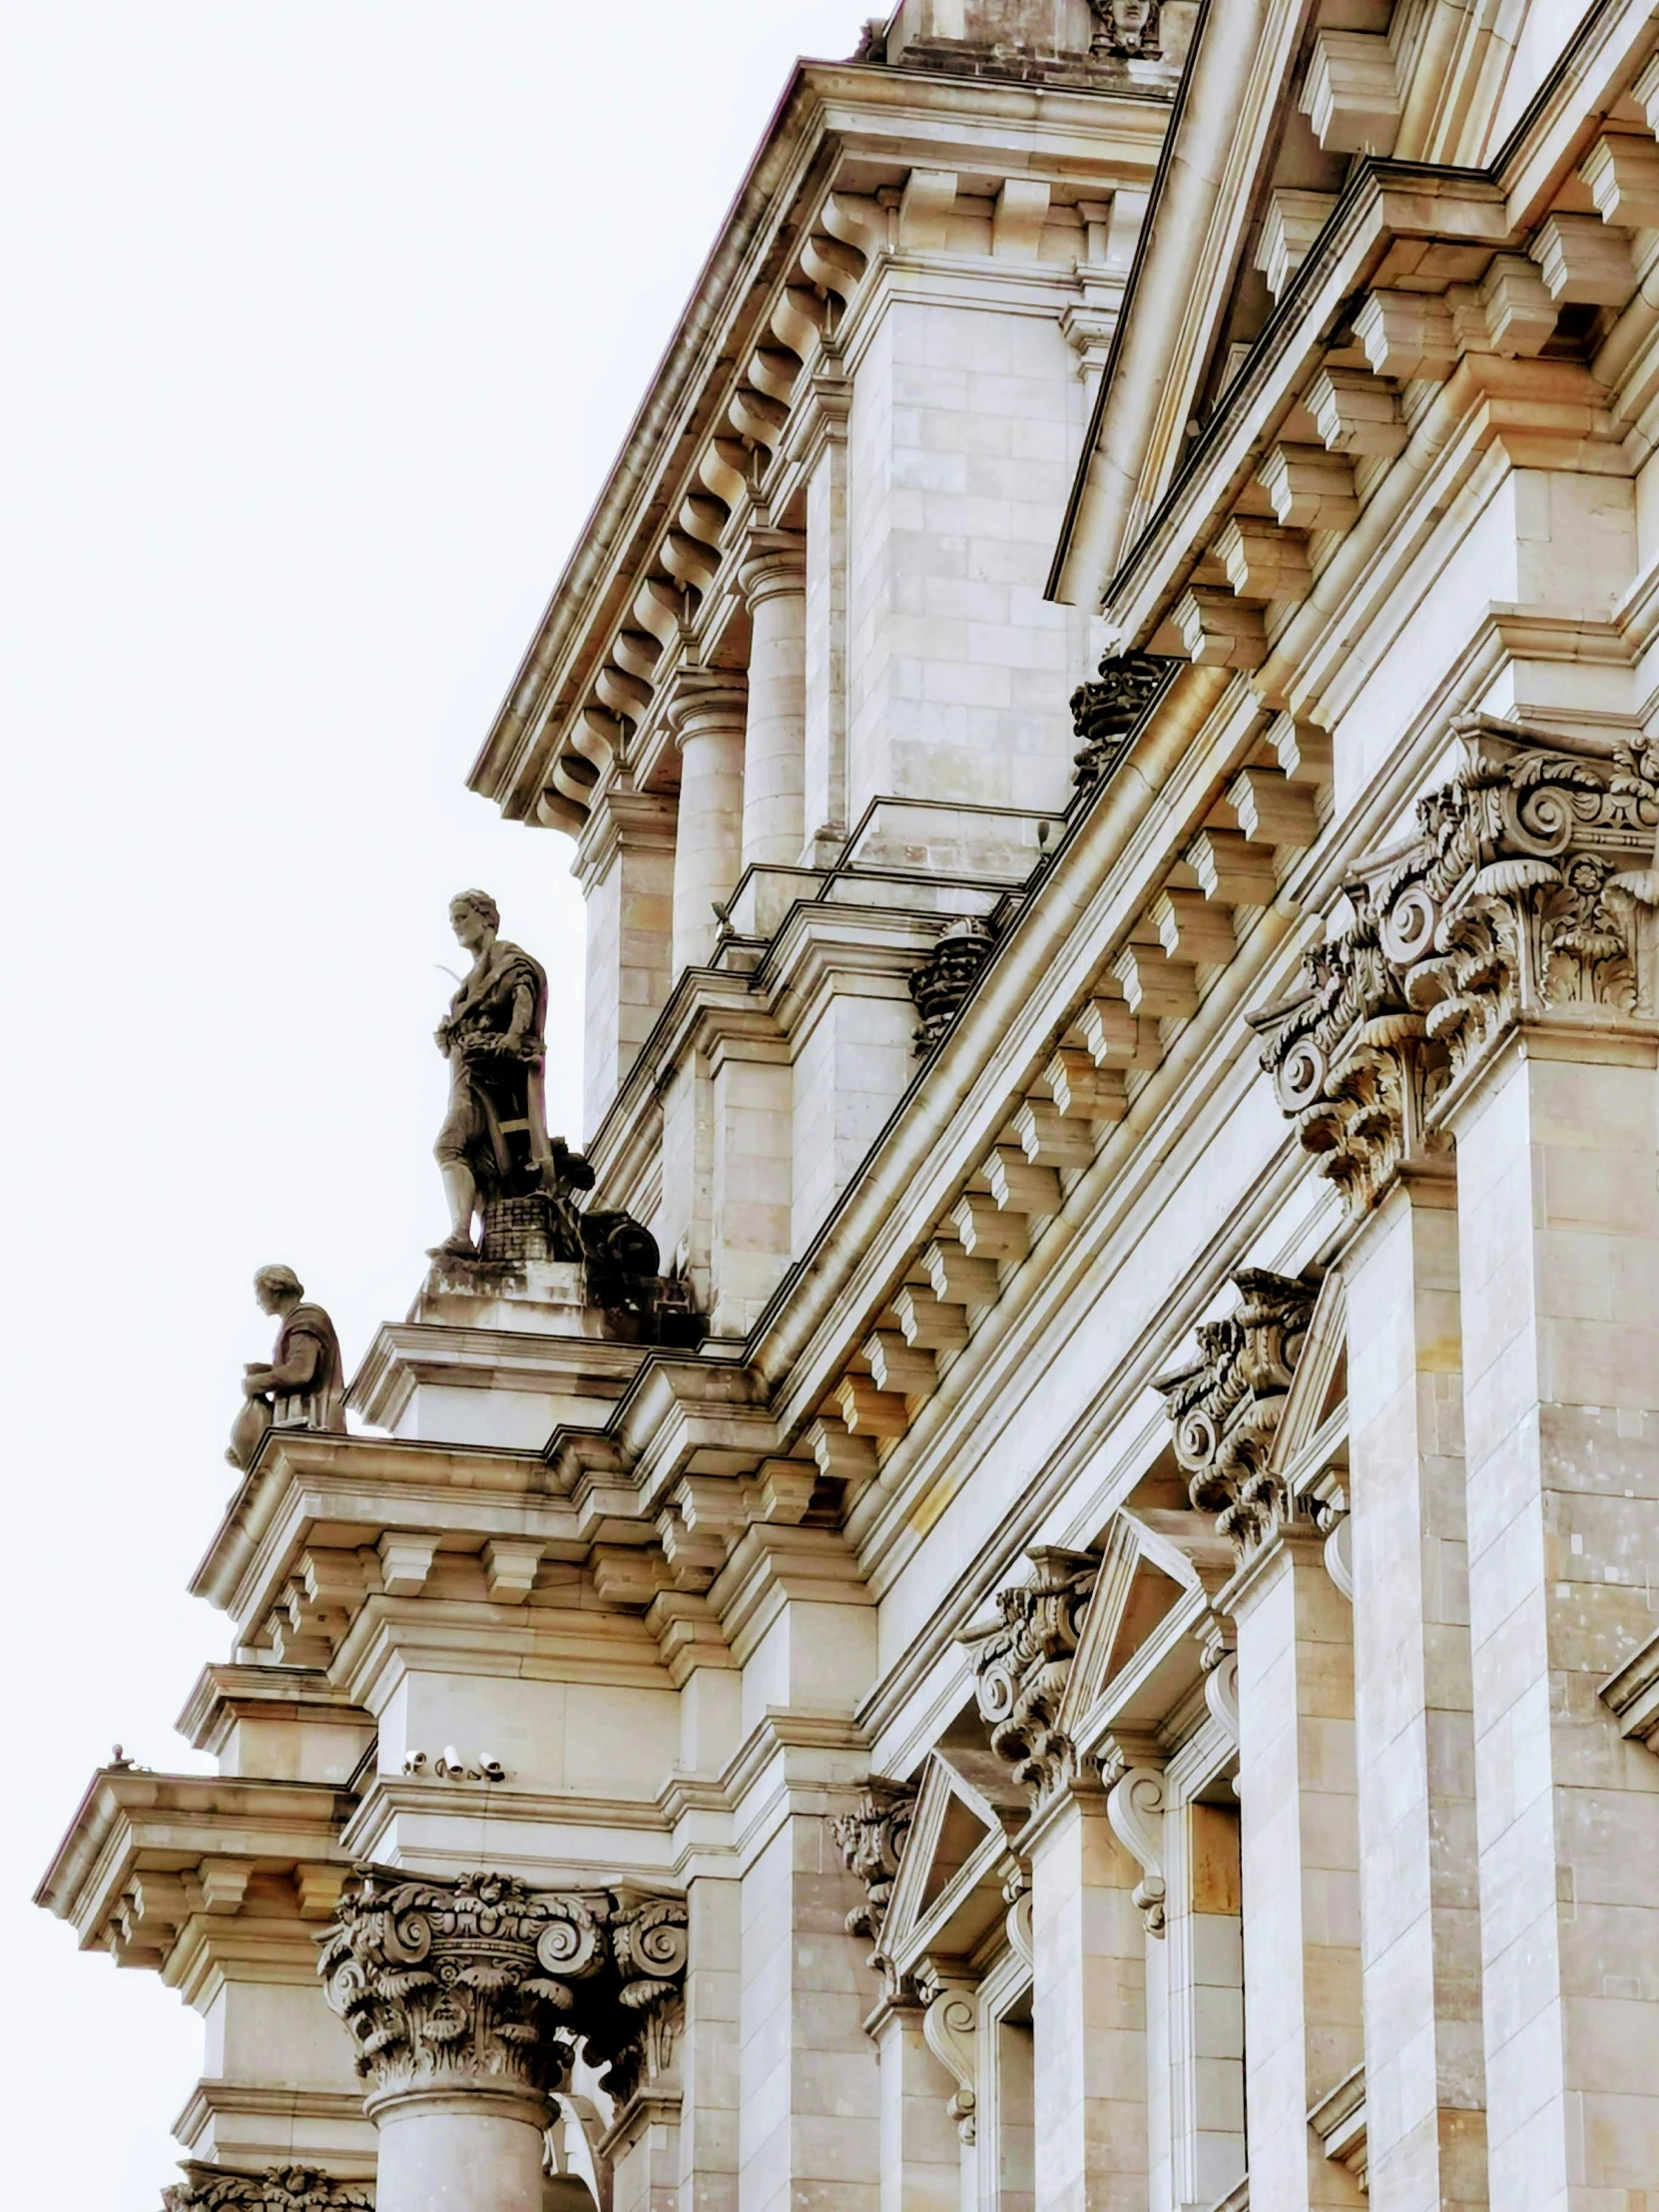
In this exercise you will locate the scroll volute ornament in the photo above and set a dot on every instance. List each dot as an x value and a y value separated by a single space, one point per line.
872 1840
480 1979
1529 892
1226 1407
472 1978
1021 1665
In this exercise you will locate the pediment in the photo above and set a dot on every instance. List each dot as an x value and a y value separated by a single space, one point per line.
1313 1429
1140 1655
948 1892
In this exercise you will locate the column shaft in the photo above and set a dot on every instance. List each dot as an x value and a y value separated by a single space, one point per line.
922 2154
1301 1850
708 2057
774 582
458 2150
707 719
1425 2074
1558 1217
1088 2016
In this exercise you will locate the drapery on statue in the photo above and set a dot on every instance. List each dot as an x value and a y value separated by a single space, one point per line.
501 1169
303 1385
493 1143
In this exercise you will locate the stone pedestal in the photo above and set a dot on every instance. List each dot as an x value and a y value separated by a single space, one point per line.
1301 1850
774 581
708 713
1088 2013
1558 1221
1424 2075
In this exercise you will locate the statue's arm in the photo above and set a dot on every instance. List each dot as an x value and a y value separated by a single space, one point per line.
524 1009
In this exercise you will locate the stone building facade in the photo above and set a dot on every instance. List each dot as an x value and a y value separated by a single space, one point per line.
1088 1644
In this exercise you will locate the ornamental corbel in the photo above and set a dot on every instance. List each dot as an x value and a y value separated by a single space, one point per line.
1227 1404
1021 1665
1135 1807
872 1840
950 2027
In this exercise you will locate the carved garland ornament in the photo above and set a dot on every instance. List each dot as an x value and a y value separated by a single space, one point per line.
1530 888
277 2189
1226 1406
872 1840
1021 1665
479 1977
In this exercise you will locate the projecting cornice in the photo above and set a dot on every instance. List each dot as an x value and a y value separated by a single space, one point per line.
859 171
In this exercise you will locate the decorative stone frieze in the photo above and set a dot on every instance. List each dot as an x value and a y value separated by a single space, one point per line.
942 982
872 1840
479 1978
1106 713
1021 1665
1226 1407
1529 893
277 2189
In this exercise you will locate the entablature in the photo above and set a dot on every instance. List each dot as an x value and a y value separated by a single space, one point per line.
872 179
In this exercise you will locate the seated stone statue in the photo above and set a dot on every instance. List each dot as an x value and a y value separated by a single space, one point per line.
302 1385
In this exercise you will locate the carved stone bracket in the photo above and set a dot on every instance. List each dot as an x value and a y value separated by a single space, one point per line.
1135 1808
1105 714
477 1979
277 2189
950 2027
1226 1407
1020 1666
872 1840
1529 893
942 982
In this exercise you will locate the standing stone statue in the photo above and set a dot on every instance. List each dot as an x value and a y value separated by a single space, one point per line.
493 1143
303 1385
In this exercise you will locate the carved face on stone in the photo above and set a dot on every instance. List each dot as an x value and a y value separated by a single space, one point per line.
471 920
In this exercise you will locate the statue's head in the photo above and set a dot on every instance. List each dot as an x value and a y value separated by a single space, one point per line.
471 914
276 1286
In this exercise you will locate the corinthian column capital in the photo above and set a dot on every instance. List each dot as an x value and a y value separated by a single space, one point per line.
479 1983
277 2189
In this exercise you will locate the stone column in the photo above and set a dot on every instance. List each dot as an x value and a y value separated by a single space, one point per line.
774 584
1426 2128
466 1996
1499 981
708 2180
922 2154
706 714
1299 1839
1558 1218
625 864
1088 2011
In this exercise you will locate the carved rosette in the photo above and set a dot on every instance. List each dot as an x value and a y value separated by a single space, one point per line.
479 1979
277 2189
1528 892
872 1840
944 980
1105 714
1021 1665
1226 1407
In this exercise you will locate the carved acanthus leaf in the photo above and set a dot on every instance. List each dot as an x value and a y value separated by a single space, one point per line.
872 1840
277 2189
477 1976
1226 1407
1529 890
1021 1665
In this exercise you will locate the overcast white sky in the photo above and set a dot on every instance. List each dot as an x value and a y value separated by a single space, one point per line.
322 323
